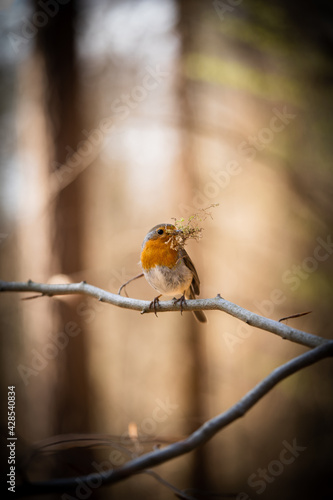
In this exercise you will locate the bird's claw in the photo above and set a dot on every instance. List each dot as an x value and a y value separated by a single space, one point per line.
181 301
154 303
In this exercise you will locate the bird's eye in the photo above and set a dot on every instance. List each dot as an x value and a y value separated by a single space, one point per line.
160 231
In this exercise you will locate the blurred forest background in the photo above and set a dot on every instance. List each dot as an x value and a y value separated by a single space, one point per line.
116 116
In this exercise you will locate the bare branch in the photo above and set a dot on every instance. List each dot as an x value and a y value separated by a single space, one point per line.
217 304
197 438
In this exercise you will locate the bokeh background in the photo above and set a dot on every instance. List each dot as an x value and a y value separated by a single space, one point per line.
116 116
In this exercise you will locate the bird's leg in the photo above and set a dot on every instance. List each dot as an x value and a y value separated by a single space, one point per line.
154 303
181 301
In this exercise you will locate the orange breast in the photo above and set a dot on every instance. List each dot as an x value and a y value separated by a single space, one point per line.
157 253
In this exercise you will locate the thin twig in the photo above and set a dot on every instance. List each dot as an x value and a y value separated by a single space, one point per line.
298 315
33 297
129 281
179 493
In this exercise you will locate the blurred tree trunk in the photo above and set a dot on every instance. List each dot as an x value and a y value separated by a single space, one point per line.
56 45
186 183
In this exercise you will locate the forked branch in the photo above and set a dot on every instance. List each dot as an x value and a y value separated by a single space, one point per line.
214 304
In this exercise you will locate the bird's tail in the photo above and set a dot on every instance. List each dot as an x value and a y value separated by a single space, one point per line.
199 315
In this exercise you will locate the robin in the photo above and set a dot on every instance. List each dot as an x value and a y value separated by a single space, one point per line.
168 268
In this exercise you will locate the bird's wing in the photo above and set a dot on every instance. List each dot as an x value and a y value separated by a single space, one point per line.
188 262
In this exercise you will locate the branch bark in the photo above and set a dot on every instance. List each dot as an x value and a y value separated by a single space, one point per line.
213 304
197 438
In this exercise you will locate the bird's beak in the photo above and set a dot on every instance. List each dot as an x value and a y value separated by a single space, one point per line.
177 231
